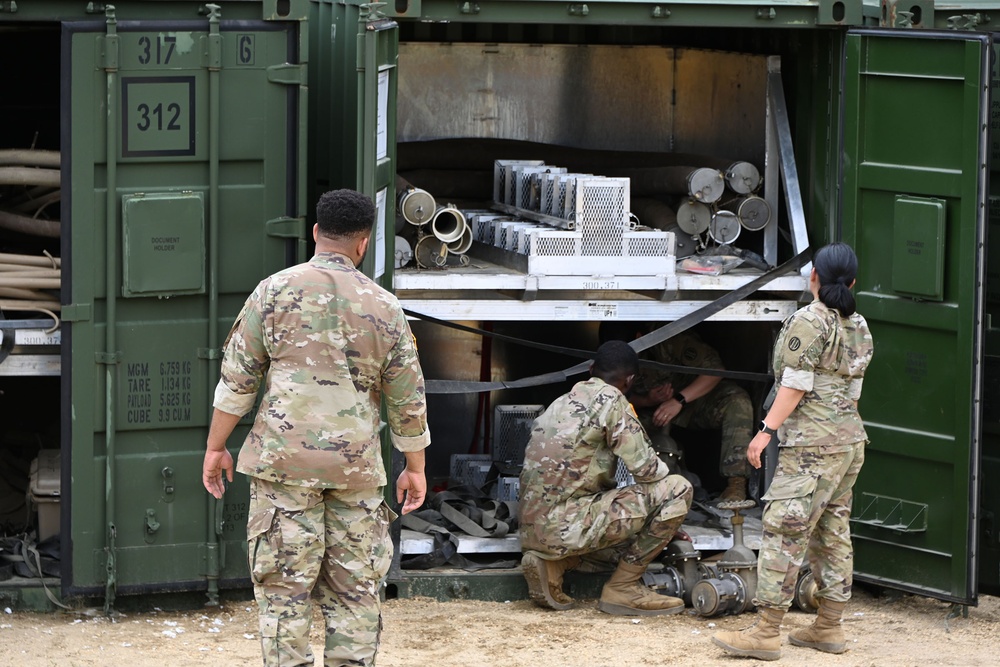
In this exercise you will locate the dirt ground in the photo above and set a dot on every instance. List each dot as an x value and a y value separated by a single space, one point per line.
887 630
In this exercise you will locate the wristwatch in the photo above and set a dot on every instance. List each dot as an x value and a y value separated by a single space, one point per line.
764 428
679 397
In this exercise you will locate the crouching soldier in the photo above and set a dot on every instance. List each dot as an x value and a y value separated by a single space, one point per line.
569 503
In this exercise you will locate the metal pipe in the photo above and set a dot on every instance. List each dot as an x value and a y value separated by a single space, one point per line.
29 260
111 356
31 157
33 226
448 224
463 244
29 176
215 507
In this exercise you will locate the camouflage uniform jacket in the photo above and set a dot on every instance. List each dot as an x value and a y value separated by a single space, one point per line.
684 349
572 456
825 355
326 343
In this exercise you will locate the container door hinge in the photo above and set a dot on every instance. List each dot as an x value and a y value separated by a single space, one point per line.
209 353
578 10
964 22
286 228
108 357
289 74
8 7
109 43
76 312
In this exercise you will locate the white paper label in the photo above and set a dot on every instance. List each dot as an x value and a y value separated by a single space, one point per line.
379 239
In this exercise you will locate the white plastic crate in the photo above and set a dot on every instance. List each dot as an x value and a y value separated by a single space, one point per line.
512 430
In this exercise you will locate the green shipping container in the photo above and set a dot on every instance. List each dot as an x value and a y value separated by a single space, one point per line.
179 131
193 139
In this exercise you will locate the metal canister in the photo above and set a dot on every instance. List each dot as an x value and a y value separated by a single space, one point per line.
742 178
693 217
725 227
706 184
416 206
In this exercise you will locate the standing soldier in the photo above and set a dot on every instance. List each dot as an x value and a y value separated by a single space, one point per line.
569 503
820 359
325 343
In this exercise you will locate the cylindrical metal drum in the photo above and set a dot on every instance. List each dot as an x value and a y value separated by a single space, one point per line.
448 224
416 206
754 213
706 185
725 227
742 178
694 217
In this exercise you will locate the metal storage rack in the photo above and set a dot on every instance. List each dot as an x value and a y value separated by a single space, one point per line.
35 350
485 289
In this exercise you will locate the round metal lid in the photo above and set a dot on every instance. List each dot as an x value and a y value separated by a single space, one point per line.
417 206
725 227
403 253
693 217
706 185
430 252
743 178
754 213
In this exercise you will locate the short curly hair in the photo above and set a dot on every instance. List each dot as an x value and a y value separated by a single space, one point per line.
615 360
344 214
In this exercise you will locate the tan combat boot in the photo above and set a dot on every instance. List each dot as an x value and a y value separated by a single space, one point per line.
545 580
624 595
761 640
825 634
735 491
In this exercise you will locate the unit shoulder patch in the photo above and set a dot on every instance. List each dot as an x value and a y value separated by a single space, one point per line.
794 343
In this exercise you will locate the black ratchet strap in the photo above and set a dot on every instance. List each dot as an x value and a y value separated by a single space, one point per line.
640 344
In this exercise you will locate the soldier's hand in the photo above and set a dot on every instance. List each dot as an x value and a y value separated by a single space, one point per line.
413 487
666 412
756 446
662 392
211 471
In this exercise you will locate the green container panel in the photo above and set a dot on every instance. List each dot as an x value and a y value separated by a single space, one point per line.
921 401
202 163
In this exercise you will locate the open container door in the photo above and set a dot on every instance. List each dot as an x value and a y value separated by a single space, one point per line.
182 166
378 49
914 208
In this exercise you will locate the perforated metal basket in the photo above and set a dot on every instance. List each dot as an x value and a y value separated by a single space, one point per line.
512 430
470 469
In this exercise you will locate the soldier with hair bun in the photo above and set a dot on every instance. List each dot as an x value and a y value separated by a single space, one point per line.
326 347
820 358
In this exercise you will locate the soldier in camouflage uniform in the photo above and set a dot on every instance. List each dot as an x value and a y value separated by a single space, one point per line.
820 358
569 504
325 344
705 402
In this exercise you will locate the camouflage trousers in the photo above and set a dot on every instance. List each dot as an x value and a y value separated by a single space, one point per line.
807 518
633 522
329 544
728 409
